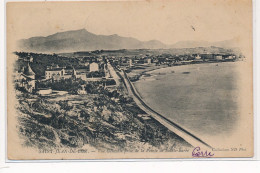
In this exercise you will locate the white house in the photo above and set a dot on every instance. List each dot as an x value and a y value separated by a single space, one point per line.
198 57
44 91
218 57
230 57
93 67
130 62
50 73
149 61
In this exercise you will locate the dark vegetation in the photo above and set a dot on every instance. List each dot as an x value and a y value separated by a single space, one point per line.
70 85
96 74
96 121
41 61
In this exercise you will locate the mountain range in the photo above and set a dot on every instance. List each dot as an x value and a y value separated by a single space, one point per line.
82 40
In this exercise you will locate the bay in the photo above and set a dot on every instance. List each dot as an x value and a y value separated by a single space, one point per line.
202 98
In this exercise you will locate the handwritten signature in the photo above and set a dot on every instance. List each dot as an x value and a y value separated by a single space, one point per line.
198 153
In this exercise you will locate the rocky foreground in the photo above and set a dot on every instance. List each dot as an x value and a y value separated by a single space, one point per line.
105 122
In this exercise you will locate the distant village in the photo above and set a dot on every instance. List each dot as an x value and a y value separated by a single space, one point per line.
36 76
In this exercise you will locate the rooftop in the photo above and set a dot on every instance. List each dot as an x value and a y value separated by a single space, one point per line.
28 70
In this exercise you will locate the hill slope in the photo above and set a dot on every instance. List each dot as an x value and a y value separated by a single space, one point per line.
82 40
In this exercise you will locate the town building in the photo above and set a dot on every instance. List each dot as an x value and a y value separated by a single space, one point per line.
93 67
230 57
218 57
86 64
82 90
26 78
81 73
130 62
44 91
207 56
107 72
149 61
198 57
56 73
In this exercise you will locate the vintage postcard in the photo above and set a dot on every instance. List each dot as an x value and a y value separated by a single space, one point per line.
130 79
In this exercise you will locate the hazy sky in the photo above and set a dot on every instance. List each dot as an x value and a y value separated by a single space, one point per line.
167 21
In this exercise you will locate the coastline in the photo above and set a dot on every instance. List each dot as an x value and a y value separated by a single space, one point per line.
171 125
184 107
139 74
114 120
135 75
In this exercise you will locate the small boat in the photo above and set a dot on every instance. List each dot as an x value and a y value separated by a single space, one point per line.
186 72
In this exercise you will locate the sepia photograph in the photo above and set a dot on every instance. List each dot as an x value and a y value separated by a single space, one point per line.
129 80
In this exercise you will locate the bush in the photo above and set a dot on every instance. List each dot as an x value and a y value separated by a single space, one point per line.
96 74
69 85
